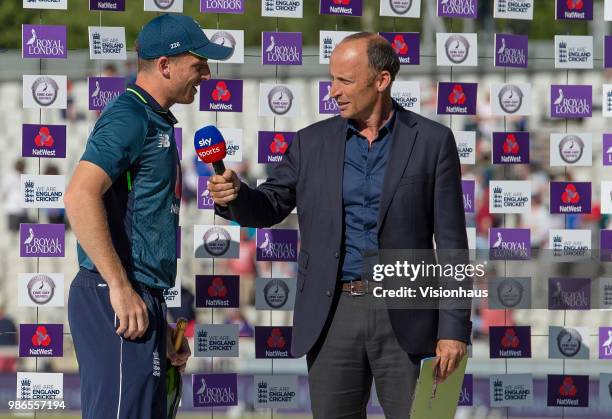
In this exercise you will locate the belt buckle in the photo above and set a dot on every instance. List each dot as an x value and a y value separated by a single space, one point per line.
355 293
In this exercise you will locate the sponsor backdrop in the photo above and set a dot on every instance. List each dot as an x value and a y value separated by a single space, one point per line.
204 390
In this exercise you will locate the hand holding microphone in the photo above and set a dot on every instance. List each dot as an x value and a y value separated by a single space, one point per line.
210 148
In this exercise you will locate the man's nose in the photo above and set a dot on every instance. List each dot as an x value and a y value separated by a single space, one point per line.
206 73
335 91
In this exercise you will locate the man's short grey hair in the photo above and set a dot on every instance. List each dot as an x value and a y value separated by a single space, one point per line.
381 55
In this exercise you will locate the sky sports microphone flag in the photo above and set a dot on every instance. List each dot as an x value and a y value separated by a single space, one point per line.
210 147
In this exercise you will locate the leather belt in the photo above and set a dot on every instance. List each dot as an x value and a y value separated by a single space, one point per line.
356 287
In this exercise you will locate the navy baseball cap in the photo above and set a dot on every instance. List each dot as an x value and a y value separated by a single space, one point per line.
172 34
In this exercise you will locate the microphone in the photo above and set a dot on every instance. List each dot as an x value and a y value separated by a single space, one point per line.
210 147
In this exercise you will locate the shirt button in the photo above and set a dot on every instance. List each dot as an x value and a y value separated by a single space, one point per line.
328 293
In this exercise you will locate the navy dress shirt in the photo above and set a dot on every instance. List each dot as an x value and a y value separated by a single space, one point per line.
362 184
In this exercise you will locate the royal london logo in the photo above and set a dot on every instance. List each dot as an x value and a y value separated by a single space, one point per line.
502 248
38 46
283 54
458 7
328 103
276 250
577 300
511 56
564 105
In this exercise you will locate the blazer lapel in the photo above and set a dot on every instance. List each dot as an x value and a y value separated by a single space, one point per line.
403 137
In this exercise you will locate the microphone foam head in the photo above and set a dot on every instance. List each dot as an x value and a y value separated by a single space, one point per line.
209 144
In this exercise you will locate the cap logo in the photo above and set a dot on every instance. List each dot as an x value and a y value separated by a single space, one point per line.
175 45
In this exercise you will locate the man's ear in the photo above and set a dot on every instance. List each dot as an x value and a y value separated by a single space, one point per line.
163 66
384 81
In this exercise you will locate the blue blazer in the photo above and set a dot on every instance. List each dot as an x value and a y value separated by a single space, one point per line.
421 197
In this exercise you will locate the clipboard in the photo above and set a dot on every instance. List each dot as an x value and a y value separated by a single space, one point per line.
437 401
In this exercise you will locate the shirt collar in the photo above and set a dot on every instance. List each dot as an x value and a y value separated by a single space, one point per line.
146 98
351 127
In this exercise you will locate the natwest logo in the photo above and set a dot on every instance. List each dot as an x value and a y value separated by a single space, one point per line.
221 95
44 138
278 145
272 342
276 340
217 288
399 45
41 337
221 92
570 195
457 96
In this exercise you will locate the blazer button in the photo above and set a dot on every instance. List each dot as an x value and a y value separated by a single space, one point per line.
328 293
337 255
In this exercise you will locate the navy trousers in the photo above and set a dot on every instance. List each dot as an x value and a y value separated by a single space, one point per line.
120 378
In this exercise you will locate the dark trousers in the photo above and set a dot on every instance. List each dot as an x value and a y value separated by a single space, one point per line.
120 378
356 346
